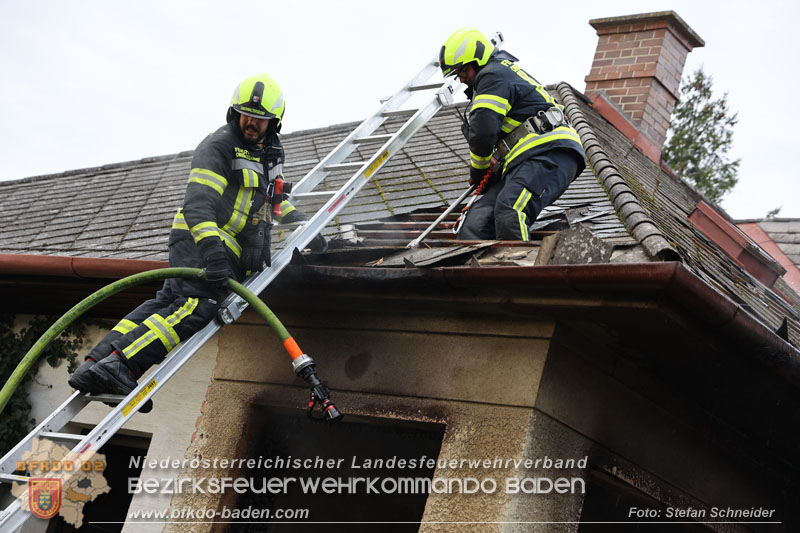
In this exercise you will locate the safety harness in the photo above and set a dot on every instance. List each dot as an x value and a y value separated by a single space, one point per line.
542 122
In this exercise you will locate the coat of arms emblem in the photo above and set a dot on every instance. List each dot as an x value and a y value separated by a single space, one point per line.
44 497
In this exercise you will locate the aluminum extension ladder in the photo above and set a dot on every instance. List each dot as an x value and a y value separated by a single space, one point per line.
13 517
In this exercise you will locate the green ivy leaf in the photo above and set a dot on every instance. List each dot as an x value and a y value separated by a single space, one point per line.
16 421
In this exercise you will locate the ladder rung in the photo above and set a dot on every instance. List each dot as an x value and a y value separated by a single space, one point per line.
425 87
373 139
110 398
315 194
10 478
345 166
60 436
399 112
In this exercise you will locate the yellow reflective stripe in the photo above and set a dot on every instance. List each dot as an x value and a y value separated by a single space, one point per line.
158 329
240 208
184 311
168 329
124 326
522 200
499 100
498 104
249 178
492 107
530 79
533 140
547 96
286 208
204 229
139 344
479 161
210 229
208 178
178 222
231 243
509 124
207 229
163 331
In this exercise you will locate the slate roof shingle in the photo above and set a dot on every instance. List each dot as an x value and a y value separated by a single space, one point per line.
124 210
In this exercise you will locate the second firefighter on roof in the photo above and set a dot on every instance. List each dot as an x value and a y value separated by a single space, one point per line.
517 132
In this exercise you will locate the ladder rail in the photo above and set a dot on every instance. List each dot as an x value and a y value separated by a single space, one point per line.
365 129
53 422
99 435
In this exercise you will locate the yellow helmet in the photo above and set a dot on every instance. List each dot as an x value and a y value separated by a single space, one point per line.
464 46
258 96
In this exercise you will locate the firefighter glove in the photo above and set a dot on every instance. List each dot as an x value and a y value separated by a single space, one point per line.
255 242
218 271
476 176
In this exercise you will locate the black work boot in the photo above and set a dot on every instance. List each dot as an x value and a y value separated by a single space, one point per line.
112 376
82 381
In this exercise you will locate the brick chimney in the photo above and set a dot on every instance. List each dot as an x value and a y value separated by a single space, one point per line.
638 65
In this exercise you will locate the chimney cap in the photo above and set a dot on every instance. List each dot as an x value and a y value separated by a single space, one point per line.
660 16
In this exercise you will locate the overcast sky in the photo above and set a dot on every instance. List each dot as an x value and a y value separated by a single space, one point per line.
87 83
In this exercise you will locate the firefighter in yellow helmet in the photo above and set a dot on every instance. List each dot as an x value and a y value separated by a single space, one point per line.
517 130
223 227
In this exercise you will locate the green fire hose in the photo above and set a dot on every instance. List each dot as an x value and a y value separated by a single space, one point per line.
303 365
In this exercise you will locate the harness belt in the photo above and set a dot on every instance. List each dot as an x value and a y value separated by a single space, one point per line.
542 122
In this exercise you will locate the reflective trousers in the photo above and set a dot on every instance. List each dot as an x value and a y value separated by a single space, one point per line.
510 205
149 332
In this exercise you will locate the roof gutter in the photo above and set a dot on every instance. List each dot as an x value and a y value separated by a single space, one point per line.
74 267
671 282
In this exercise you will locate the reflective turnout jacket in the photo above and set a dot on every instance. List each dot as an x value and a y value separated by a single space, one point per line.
503 96
227 185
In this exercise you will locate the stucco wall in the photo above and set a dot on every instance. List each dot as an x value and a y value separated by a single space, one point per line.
479 382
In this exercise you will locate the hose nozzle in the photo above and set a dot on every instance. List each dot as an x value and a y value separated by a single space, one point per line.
305 368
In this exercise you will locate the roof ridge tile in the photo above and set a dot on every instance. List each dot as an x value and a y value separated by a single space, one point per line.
625 201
